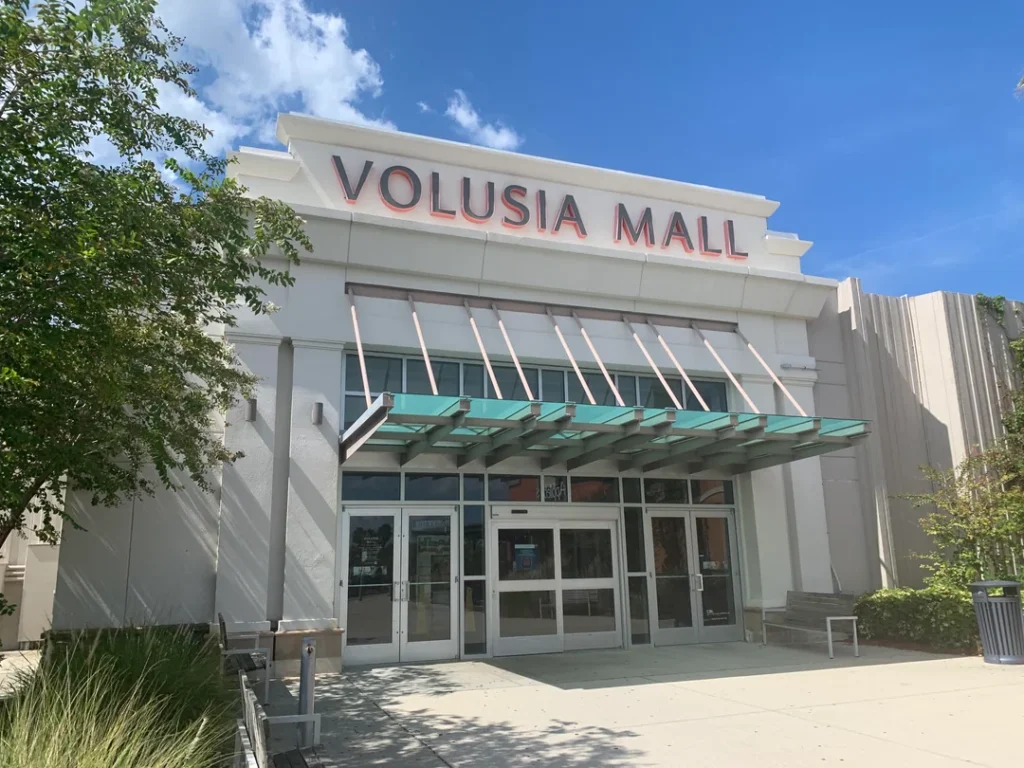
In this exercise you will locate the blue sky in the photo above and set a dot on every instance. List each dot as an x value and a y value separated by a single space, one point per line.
892 138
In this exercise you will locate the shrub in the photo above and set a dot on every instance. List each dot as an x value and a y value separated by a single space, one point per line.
146 699
937 618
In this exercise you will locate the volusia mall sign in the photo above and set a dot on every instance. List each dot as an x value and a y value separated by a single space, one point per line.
516 207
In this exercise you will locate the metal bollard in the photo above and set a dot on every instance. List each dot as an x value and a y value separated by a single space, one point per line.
307 677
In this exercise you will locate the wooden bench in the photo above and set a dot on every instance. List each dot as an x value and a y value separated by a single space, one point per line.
234 659
812 612
252 736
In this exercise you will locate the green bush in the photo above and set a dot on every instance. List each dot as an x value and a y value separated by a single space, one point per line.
937 618
143 698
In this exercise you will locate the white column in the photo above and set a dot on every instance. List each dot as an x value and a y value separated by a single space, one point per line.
770 515
814 559
312 522
243 548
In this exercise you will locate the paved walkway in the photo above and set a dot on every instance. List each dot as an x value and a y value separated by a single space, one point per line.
14 664
712 705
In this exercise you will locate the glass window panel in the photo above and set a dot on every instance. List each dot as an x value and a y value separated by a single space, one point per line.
586 553
370 578
595 490
718 606
598 388
429 558
522 614
446 376
429 554
588 610
670 555
715 394
472 380
353 376
369 615
666 491
371 550
431 487
355 405
371 486
671 572
383 373
513 487
712 491
526 554
429 616
474 628
639 613
473 540
416 380
653 395
673 602
627 388
510 383
636 552
631 490
473 487
553 386
556 488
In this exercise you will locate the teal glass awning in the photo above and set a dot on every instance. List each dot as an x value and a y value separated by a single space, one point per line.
573 435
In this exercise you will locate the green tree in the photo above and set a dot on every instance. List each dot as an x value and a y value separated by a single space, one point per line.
977 524
114 278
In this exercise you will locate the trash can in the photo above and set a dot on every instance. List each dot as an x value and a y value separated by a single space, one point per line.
1000 621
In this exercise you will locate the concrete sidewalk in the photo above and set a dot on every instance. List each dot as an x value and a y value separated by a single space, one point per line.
712 705
13 665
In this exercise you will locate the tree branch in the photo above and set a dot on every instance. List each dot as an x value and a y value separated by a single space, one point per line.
18 511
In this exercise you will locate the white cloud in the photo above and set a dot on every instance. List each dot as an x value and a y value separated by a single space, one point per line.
424 107
261 57
494 135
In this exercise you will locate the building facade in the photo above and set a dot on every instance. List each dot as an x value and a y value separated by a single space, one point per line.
514 405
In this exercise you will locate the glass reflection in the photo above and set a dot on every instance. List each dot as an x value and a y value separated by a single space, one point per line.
371 576
429 559
524 614
671 572
588 610
639 613
474 629
586 553
717 600
526 554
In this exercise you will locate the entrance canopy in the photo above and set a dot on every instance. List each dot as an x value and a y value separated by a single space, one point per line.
576 434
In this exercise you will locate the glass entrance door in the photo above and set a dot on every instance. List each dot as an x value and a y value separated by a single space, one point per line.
556 587
718 585
693 579
397 585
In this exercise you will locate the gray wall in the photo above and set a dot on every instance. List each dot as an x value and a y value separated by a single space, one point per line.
151 560
931 372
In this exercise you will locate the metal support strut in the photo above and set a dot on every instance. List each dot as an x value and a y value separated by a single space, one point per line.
682 372
572 360
423 346
512 351
725 368
771 373
650 362
600 364
483 352
359 348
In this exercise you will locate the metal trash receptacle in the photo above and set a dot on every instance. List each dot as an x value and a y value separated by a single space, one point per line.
1000 621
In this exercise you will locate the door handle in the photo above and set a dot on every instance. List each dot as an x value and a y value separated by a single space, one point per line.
396 592
700 581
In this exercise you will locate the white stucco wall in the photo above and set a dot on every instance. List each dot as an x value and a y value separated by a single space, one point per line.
286 485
